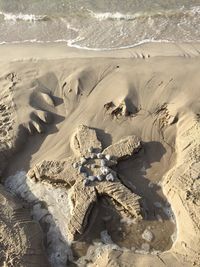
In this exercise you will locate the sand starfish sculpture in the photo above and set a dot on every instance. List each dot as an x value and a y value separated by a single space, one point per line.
90 175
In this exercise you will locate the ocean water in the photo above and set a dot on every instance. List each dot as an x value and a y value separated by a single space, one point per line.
99 24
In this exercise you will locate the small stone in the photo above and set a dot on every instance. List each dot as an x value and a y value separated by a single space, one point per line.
105 170
108 157
85 174
147 235
75 165
86 182
90 149
91 178
93 166
93 156
100 155
110 177
100 177
80 169
83 160
103 163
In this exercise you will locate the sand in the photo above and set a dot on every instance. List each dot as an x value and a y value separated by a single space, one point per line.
150 92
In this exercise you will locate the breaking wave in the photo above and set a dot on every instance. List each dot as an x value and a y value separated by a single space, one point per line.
23 17
168 13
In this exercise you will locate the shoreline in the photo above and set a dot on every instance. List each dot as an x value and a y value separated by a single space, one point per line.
35 51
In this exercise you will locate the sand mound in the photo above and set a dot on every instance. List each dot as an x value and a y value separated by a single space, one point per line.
123 191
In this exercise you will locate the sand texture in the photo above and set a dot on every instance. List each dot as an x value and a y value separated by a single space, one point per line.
99 156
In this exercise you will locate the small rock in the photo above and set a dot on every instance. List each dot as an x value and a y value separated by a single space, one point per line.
110 177
93 156
83 160
147 235
105 170
108 157
93 166
92 178
100 155
86 182
100 177
80 169
75 165
85 174
103 163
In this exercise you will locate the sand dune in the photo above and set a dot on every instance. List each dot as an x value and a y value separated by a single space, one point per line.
150 92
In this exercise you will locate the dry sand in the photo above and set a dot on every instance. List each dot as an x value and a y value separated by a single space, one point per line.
152 92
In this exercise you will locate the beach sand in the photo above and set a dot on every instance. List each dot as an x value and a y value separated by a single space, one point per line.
151 92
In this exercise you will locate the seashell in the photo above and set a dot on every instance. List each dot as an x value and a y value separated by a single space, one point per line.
75 165
92 178
110 177
90 149
100 177
103 163
108 157
86 182
100 155
105 170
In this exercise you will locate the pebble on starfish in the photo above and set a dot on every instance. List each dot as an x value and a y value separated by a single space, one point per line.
90 149
103 163
91 178
110 177
100 155
86 182
100 177
83 160
93 156
75 165
105 170
108 157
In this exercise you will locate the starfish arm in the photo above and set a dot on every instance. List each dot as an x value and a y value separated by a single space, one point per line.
124 148
54 171
83 139
122 195
83 202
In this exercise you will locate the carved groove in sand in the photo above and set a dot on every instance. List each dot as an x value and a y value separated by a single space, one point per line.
21 238
73 173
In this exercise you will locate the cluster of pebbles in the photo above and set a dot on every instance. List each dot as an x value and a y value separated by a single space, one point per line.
95 167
